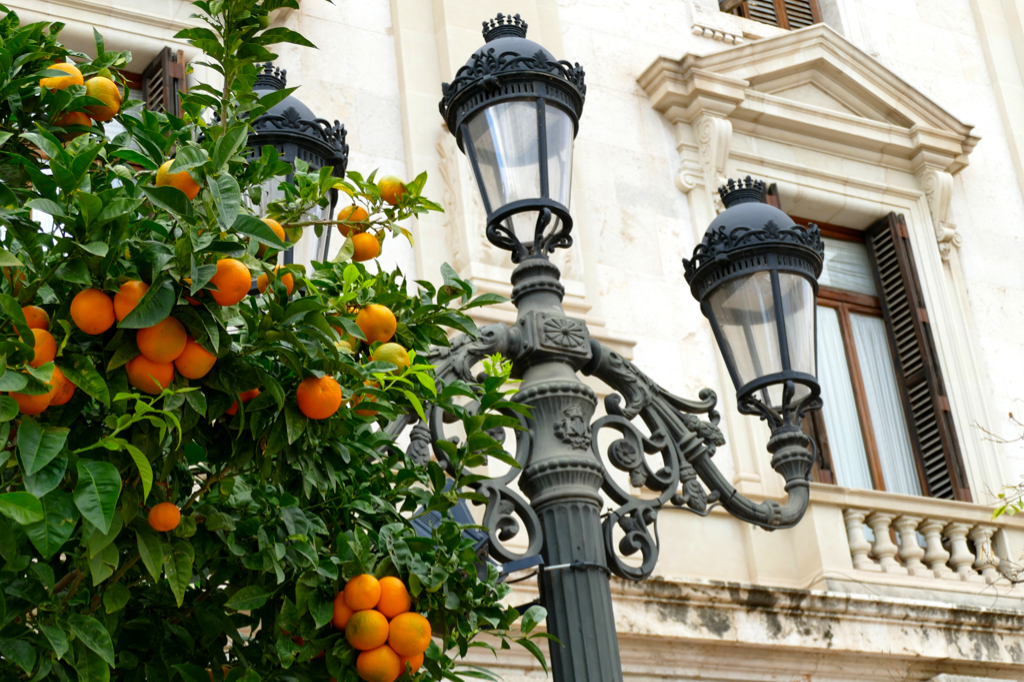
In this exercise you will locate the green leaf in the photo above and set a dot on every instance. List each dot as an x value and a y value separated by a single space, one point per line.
57 638
295 422
59 520
99 486
258 230
38 446
192 673
178 569
228 145
93 635
52 474
99 541
80 371
13 381
8 409
90 666
103 565
151 551
227 199
169 199
13 311
187 158
115 597
145 469
534 615
283 35
321 608
133 157
19 652
153 307
22 508
75 271
8 260
247 599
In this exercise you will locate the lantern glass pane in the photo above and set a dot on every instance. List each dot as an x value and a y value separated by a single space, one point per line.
559 152
798 308
744 309
504 139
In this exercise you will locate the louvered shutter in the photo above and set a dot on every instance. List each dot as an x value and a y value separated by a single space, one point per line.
162 80
788 14
932 434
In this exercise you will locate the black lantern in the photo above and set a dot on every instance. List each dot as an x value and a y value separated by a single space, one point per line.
514 110
755 274
291 128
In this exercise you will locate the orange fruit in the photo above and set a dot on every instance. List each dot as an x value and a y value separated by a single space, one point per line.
394 598
72 118
263 281
148 376
341 612
392 189
232 280
105 91
366 247
45 347
92 311
74 77
366 629
244 397
366 411
409 634
163 342
414 662
355 216
35 404
393 353
36 317
164 517
182 180
195 362
362 592
319 399
377 323
65 389
278 230
379 665
128 297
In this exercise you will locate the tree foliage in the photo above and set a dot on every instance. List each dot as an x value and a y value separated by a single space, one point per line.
278 510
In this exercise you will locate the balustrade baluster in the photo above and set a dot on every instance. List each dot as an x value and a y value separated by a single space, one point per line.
985 561
960 557
911 552
859 545
884 549
935 555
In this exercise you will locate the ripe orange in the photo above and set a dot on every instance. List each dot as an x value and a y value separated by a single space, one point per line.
393 353
319 399
263 281
366 411
362 592
379 665
163 342
74 77
415 662
366 247
45 347
35 404
164 517
355 216
232 280
278 230
105 91
392 189
36 317
148 376
394 598
182 180
65 389
366 629
128 297
244 397
409 634
195 362
92 311
72 118
377 323
341 612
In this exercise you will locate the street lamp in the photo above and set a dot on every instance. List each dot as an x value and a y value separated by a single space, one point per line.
296 133
515 110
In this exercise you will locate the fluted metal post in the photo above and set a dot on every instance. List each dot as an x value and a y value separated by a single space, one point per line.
563 479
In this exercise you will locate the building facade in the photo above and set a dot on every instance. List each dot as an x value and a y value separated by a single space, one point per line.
896 126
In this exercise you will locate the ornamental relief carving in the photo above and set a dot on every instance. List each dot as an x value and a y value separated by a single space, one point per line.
938 189
573 429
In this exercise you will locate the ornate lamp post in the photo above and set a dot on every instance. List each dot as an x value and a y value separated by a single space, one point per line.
515 110
291 128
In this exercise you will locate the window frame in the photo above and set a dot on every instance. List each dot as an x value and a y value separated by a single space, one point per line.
741 9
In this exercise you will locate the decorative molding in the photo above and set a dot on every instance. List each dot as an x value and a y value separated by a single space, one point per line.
448 168
938 189
573 429
727 37
713 136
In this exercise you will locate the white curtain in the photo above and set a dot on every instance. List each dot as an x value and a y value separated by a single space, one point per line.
884 405
847 266
840 411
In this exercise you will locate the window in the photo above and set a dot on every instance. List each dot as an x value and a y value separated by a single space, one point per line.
886 424
157 87
788 14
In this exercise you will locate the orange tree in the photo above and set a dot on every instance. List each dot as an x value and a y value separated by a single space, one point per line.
191 474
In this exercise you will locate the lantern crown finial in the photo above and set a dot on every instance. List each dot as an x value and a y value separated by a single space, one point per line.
504 25
743 191
272 77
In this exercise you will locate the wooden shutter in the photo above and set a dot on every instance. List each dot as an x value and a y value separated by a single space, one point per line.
932 434
788 14
162 80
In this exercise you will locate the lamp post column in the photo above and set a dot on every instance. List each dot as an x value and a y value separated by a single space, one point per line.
563 478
